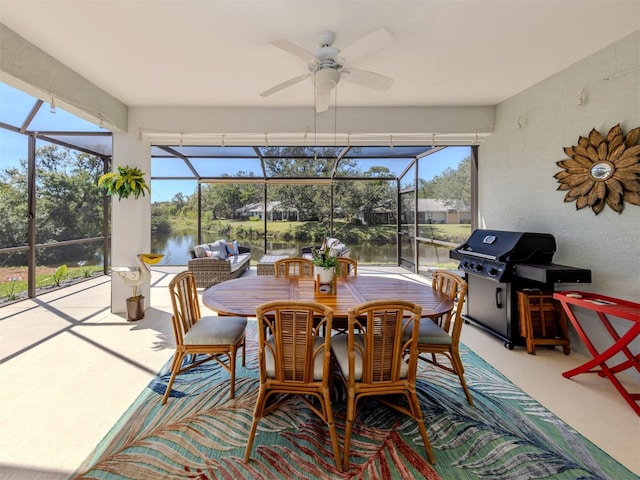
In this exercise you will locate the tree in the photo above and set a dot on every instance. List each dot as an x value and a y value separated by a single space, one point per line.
311 201
224 199
160 219
68 202
349 197
452 188
178 201
13 198
377 194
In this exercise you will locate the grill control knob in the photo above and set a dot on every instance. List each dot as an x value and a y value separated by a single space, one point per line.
493 271
477 268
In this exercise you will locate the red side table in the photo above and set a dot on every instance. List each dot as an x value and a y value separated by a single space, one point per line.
572 302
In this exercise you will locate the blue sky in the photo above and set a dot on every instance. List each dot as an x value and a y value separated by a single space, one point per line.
16 105
163 191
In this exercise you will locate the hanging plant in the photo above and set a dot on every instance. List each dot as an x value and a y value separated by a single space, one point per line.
128 181
602 170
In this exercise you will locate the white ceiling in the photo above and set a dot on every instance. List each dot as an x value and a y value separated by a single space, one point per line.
218 53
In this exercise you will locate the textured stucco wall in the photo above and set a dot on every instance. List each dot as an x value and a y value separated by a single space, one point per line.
517 190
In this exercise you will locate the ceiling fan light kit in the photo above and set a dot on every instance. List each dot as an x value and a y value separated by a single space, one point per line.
326 79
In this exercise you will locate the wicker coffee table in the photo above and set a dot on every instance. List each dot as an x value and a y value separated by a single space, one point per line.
266 264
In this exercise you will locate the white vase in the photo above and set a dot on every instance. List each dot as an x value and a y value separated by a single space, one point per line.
326 273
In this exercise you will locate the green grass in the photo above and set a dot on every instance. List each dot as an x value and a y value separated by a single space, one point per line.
315 231
183 224
14 286
455 233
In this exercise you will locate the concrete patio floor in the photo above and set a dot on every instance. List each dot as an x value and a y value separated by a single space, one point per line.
69 369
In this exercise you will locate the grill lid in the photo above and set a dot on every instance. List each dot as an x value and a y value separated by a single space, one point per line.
509 246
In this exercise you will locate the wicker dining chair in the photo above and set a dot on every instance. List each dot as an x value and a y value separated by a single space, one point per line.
348 267
217 337
293 267
380 360
294 359
442 336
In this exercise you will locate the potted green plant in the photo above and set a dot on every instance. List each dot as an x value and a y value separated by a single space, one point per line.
128 181
325 264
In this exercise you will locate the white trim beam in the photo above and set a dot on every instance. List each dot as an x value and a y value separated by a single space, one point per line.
29 69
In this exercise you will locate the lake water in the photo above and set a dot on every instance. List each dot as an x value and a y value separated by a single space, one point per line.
175 249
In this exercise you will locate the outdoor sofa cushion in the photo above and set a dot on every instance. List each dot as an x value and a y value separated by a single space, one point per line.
217 249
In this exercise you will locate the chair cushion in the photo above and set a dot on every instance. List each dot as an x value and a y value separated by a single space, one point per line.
430 333
213 330
340 349
318 369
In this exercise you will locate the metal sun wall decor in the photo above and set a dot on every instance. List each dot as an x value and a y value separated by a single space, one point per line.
602 170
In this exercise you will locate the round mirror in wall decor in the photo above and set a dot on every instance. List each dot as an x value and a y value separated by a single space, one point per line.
602 170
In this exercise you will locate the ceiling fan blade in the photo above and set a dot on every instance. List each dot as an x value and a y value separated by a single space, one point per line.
366 78
295 50
283 85
370 43
322 100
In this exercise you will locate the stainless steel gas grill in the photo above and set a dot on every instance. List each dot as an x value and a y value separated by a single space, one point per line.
497 264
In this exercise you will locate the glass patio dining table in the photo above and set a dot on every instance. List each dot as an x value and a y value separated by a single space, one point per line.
241 296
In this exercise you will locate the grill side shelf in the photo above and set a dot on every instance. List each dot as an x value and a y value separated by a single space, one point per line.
551 273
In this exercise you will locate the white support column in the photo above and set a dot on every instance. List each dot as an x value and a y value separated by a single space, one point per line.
130 218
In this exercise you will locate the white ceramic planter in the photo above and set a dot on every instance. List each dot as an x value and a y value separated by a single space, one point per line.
326 274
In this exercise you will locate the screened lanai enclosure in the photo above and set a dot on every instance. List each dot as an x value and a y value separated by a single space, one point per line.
390 204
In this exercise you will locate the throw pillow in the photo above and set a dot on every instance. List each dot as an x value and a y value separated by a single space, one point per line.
232 248
213 246
337 249
219 246
332 242
200 251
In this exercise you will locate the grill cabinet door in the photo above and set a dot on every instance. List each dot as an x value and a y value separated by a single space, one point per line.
490 305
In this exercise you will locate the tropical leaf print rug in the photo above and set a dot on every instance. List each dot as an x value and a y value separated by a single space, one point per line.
201 434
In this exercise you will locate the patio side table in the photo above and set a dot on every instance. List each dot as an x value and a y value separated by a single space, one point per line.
572 302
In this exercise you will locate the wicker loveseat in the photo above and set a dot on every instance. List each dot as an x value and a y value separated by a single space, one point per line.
217 262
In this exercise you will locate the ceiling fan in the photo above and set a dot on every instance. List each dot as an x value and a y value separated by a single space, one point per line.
327 65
